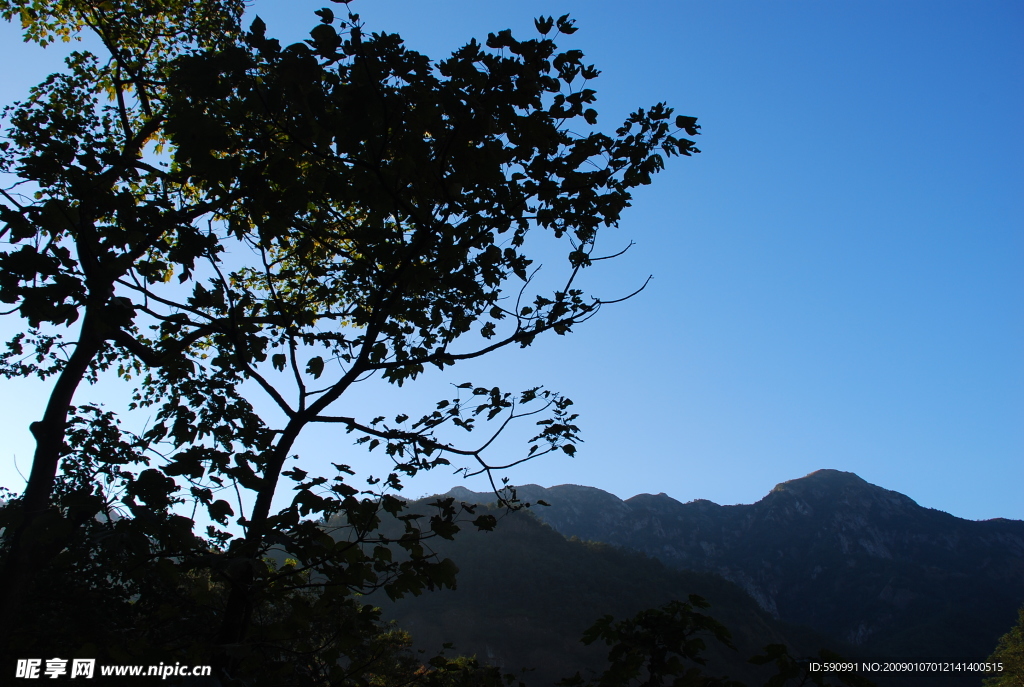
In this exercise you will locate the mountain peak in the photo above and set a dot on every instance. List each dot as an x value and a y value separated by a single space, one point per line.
825 478
832 488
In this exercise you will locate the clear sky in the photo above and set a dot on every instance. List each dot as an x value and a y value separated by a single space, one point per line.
838 277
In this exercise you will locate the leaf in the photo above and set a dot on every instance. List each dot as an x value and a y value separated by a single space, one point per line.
220 510
446 529
315 367
443 573
258 27
279 361
153 488
295 474
392 505
566 25
185 464
485 523
687 124
325 38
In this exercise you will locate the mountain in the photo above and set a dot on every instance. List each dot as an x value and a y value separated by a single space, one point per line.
864 566
526 594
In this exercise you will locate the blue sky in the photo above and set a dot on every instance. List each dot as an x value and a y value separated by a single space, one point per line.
838 279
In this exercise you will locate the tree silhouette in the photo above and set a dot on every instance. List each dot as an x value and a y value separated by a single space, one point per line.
216 213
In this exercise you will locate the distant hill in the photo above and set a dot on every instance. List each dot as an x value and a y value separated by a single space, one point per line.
864 566
526 594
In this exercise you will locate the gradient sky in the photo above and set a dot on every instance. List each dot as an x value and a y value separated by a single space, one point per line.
838 277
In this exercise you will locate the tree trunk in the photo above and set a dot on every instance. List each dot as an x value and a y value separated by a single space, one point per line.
239 608
27 545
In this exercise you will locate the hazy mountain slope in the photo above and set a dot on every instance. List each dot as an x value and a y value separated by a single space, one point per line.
526 594
859 563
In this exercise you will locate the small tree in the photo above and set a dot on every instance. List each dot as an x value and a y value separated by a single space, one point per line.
378 208
1010 655
665 646
657 645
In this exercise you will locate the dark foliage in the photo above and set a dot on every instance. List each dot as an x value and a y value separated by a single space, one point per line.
199 210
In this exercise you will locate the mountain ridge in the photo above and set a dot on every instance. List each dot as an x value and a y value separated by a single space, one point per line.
830 551
526 594
462 493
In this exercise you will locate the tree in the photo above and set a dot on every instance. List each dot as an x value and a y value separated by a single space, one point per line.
665 646
379 209
1009 653
793 671
658 644
93 211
